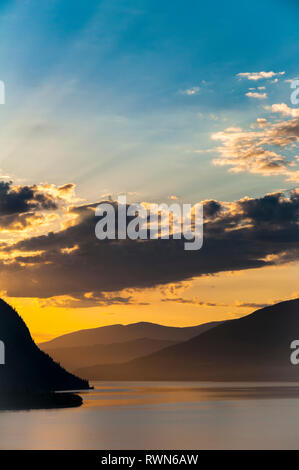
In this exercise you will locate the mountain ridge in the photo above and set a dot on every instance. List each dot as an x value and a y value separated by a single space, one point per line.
26 367
119 332
74 358
253 347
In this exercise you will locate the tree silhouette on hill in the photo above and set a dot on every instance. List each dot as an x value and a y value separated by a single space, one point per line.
26 367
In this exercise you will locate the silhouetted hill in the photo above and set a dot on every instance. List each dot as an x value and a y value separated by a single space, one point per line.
26 367
255 347
74 359
121 333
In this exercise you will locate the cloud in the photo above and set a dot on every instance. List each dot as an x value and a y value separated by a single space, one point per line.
193 301
243 234
285 110
191 91
92 299
250 304
256 95
200 303
22 199
261 151
257 305
259 75
25 208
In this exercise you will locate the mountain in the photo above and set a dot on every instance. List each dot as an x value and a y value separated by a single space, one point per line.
115 344
121 333
255 347
26 367
86 356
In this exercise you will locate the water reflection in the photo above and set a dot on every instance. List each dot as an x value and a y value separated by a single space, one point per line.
147 415
143 393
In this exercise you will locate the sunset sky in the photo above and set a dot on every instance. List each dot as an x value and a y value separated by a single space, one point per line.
185 101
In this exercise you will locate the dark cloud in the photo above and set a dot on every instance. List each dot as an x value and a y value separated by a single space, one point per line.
90 299
22 199
274 209
250 233
251 305
19 203
212 208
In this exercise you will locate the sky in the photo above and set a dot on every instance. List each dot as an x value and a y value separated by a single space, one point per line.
186 101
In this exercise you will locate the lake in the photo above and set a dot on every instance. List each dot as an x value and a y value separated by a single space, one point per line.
163 415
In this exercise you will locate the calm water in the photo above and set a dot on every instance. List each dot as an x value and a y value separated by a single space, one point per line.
155 415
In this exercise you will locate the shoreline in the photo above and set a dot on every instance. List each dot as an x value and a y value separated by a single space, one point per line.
37 401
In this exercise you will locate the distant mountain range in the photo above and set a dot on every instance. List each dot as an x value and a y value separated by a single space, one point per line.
255 347
115 344
27 368
120 333
86 356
